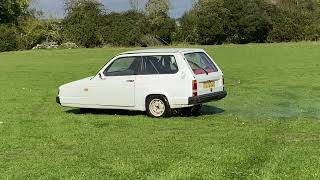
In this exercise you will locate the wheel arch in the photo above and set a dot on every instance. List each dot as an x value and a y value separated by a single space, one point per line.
163 94
156 95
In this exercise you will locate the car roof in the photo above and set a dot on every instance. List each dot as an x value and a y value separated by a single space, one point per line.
163 50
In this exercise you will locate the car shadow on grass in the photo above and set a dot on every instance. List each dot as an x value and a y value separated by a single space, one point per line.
211 110
206 110
105 112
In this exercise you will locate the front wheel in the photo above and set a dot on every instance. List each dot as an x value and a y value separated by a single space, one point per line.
158 106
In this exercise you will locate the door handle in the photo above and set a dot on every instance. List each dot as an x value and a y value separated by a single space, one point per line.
130 80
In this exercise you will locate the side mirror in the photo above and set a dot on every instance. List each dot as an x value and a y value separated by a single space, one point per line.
100 76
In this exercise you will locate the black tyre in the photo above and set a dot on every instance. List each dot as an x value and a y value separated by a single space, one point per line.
158 106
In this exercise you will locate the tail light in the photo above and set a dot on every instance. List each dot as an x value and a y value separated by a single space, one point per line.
223 82
194 88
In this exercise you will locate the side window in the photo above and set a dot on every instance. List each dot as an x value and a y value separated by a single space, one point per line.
159 65
126 66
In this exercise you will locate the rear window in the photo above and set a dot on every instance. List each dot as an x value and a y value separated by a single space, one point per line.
200 63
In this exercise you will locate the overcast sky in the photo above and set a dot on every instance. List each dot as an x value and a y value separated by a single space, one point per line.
55 7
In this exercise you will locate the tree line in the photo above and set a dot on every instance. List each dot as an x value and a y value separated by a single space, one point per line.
88 24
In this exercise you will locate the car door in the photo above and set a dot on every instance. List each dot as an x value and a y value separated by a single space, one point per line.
116 85
160 76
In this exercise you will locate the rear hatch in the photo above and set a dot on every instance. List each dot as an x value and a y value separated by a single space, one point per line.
208 76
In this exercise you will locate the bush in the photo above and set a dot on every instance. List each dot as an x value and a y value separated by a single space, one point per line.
248 21
34 31
82 23
295 21
12 10
8 40
187 30
313 32
122 29
160 26
211 21
221 21
208 22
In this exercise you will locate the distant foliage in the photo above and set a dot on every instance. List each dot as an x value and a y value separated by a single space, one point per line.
158 23
88 24
82 23
247 21
187 30
157 7
11 10
122 29
295 21
250 21
212 17
33 31
8 38
161 27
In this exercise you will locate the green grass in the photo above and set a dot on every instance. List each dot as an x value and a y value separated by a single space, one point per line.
267 128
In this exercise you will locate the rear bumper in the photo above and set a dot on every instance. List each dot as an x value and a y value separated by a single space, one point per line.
58 100
207 98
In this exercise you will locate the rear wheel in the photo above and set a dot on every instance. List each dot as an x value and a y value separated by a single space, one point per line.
158 106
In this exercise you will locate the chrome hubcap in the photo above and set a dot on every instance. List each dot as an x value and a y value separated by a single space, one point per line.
157 107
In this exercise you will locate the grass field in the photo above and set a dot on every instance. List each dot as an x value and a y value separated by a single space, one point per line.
267 128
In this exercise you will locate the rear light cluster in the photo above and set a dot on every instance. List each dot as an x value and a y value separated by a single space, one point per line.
194 88
223 82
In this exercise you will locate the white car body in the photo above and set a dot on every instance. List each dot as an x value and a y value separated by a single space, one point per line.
129 92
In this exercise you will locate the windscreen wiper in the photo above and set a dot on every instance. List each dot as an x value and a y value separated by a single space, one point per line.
199 66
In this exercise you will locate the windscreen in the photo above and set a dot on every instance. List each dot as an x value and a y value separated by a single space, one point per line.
200 63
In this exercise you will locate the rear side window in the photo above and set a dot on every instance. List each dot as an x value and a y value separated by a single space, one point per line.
200 63
159 65
126 66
